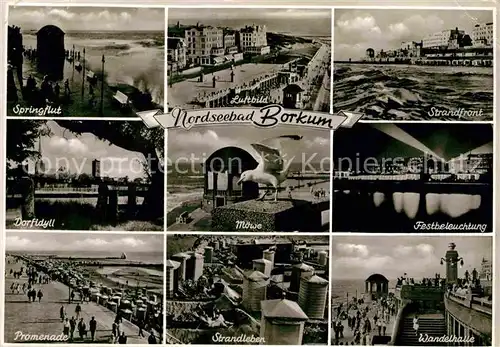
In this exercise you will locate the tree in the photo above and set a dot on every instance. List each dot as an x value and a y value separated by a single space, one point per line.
22 137
135 137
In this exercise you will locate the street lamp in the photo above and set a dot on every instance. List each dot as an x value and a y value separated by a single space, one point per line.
452 262
102 86
83 75
452 259
73 62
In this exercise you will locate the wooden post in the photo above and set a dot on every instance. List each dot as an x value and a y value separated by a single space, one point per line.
28 198
112 210
102 201
132 198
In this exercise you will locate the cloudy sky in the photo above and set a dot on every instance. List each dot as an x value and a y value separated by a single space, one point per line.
76 152
357 30
46 241
88 19
201 142
296 21
358 257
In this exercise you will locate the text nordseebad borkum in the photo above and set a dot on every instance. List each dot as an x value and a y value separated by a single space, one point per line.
266 117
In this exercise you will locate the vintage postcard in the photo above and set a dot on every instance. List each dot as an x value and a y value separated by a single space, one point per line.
412 290
84 61
79 288
84 175
249 100
239 290
415 64
414 177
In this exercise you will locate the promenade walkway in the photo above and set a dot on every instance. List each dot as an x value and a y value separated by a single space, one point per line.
43 318
374 308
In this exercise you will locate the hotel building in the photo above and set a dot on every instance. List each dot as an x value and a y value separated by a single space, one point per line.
482 34
203 43
253 40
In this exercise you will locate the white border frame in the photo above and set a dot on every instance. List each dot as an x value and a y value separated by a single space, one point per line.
324 4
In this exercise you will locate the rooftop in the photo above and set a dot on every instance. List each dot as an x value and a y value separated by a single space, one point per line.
377 278
282 308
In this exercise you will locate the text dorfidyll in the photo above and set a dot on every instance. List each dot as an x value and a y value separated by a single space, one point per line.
265 117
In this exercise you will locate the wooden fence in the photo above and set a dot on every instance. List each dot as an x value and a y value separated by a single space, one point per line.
107 194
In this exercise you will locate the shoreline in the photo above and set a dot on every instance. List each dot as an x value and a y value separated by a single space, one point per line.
358 62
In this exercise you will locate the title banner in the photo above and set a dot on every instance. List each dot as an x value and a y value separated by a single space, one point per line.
265 117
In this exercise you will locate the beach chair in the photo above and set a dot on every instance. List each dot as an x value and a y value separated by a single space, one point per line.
121 99
91 77
183 218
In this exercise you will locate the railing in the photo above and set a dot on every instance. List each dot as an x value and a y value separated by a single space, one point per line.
472 301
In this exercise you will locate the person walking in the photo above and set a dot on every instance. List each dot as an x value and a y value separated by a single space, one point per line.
114 331
78 310
140 325
72 325
82 329
66 327
92 328
415 325
152 338
61 313
39 295
122 340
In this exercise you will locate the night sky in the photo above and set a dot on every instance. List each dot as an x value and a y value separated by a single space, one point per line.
446 140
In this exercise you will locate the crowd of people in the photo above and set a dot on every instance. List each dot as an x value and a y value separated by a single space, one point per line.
363 320
74 327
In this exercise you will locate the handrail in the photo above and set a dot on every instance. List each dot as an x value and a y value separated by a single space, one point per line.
397 324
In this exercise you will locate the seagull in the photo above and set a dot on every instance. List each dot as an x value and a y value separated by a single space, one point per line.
271 170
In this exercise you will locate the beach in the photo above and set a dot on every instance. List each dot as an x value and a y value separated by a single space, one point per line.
42 318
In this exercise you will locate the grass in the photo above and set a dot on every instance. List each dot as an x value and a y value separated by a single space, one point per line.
188 206
204 224
77 215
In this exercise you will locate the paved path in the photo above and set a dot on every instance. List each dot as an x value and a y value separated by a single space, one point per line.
349 334
43 317
182 93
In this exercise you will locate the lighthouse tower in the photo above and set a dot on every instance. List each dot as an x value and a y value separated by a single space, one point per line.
452 260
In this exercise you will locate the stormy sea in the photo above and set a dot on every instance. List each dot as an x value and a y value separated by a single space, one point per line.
135 58
412 92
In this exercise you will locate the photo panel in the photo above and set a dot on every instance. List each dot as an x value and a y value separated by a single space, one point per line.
246 178
268 290
84 175
414 64
413 177
84 288
412 290
85 61
237 57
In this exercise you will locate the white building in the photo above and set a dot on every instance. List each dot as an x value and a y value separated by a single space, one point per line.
203 43
253 39
438 39
482 34
176 53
